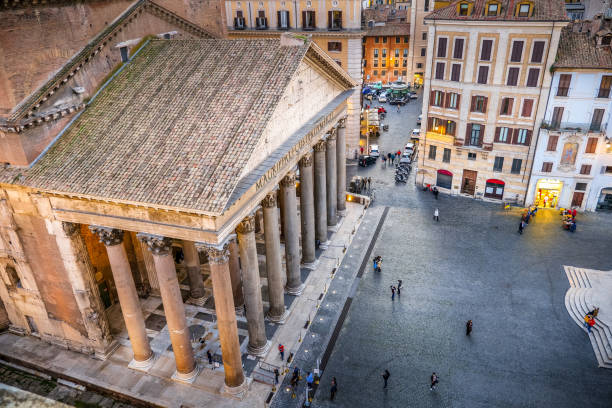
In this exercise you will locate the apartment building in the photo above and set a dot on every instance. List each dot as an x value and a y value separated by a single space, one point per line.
573 159
486 84
385 53
334 25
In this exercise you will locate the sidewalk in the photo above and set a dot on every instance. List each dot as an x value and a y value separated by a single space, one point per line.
156 388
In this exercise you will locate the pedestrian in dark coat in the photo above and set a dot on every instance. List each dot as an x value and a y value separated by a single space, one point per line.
210 357
399 287
276 374
392 292
385 377
468 328
434 381
521 227
334 388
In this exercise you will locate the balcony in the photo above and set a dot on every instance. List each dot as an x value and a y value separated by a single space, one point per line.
573 127
439 137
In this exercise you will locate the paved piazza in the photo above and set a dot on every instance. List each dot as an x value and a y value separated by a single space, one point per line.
525 350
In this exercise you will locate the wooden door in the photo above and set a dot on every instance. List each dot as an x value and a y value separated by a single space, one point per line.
468 185
577 199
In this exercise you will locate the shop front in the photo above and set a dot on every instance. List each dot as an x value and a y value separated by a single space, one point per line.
444 179
494 189
547 193
605 200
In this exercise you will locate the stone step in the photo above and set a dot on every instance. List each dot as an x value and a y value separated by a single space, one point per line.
570 276
579 277
578 306
585 279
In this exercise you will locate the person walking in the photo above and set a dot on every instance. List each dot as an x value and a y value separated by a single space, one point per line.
521 227
399 287
434 381
384 159
210 357
276 375
369 183
281 350
589 322
398 109
392 292
468 328
310 380
436 215
334 388
435 192
389 157
385 377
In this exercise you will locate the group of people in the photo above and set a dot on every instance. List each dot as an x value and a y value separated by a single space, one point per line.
363 184
433 379
589 319
528 213
397 289
393 158
378 263
569 219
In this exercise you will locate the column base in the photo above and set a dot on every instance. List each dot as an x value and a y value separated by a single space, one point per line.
197 301
105 354
188 378
238 391
342 213
143 365
297 291
259 351
325 245
239 310
311 265
278 319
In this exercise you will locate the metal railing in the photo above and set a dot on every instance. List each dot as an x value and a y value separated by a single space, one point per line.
573 126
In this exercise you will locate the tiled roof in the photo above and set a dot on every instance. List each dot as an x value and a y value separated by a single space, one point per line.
544 10
384 14
176 127
400 29
577 50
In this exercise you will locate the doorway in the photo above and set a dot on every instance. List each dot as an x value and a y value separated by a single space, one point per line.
577 198
547 193
105 294
468 186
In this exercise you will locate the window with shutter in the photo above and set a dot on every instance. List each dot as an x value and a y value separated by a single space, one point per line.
564 83
557 117
283 20
552 143
538 51
456 72
596 120
308 20
458 49
483 74
517 51
442 47
432 152
439 70
516 166
585 169
485 52
513 74
506 106
604 86
591 146
547 167
533 76
499 164
521 137
527 107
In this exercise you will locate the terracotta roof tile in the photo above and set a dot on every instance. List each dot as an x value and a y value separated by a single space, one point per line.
400 29
577 50
175 127
544 10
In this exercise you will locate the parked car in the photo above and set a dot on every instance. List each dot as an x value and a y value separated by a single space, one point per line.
365 161
416 133
419 118
405 161
374 152
400 100
413 95
409 146
382 98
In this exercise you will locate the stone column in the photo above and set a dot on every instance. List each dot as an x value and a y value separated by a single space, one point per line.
320 193
251 287
235 275
330 173
128 297
307 213
218 257
274 266
341 166
80 274
174 310
194 272
294 284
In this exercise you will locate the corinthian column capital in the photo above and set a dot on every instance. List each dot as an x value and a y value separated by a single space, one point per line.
331 135
247 225
342 122
269 200
157 244
70 228
108 236
320 146
217 254
288 180
306 160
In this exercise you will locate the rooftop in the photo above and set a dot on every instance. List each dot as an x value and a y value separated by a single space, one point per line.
175 128
578 50
400 29
543 10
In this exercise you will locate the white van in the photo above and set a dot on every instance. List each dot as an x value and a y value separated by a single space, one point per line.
374 152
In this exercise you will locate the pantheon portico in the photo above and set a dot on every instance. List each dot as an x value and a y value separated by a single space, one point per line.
188 143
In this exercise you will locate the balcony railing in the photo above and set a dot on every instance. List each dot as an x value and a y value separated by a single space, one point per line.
572 126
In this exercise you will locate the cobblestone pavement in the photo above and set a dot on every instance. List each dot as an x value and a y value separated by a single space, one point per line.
525 351
51 389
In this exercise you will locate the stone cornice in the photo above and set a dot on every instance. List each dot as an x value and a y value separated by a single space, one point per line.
320 57
27 108
270 33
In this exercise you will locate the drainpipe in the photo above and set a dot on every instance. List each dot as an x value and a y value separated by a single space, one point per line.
93 98
540 127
